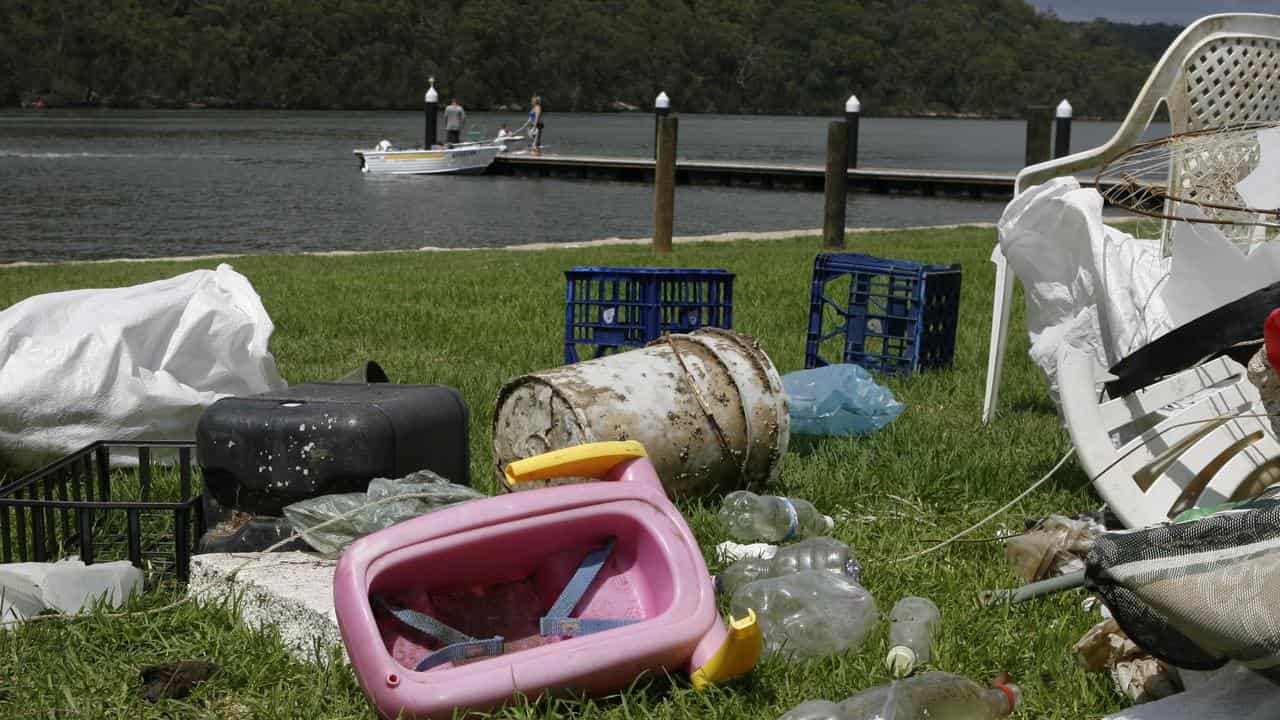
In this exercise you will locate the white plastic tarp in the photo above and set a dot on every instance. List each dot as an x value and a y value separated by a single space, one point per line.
1210 271
1087 285
138 362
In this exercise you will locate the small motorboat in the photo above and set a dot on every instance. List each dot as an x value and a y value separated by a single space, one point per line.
578 588
472 157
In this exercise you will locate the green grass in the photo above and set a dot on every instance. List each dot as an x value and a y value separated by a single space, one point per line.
474 320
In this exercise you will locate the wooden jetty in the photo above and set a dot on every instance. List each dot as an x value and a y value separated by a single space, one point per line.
762 175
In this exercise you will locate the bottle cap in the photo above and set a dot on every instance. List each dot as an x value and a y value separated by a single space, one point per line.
901 660
831 523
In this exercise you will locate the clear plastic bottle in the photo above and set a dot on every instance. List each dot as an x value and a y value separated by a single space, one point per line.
752 517
808 614
819 553
913 623
935 696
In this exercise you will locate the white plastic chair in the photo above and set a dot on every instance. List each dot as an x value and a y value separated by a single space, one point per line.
1222 70
1149 453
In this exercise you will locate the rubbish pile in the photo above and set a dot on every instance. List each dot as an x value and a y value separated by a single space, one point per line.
445 598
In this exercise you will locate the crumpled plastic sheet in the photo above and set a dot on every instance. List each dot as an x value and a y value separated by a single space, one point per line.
433 491
1057 545
1087 285
1135 673
134 362
840 399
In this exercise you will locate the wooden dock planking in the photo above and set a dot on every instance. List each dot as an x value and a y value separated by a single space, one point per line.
763 175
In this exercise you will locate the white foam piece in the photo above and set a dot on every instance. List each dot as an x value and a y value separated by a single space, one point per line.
290 590
68 586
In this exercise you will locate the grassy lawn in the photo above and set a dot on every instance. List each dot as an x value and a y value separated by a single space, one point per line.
475 319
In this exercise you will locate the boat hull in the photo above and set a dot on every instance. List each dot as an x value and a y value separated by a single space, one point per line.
428 162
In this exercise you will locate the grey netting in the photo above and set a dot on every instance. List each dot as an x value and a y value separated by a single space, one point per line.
1198 594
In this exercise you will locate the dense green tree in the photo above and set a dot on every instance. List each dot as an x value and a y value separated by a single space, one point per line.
990 57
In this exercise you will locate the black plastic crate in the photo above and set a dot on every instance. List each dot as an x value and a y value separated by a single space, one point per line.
150 515
889 316
607 309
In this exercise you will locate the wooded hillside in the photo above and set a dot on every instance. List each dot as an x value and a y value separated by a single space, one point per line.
990 57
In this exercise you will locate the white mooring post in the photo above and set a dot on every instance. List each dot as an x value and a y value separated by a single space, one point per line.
852 113
661 109
1062 129
432 104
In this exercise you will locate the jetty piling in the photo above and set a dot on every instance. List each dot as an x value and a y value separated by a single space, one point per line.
664 184
836 187
1039 129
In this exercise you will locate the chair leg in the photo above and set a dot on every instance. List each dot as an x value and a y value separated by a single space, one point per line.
999 333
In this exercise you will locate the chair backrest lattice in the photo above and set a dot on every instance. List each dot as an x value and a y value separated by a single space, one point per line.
1228 80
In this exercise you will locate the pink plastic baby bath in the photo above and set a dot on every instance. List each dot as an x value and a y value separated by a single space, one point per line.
573 589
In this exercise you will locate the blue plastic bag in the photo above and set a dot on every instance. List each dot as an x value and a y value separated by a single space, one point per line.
838 400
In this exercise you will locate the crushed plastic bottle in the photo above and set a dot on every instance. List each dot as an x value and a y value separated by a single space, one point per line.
752 517
913 623
820 553
932 696
808 614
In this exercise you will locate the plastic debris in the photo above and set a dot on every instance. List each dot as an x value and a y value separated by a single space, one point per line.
67 586
1234 692
820 553
838 400
1262 369
430 492
1136 674
771 518
1056 545
729 551
808 614
913 626
937 695
125 363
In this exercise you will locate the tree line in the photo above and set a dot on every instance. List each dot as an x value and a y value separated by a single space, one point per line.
901 57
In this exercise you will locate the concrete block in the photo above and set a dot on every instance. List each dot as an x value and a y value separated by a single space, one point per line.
291 590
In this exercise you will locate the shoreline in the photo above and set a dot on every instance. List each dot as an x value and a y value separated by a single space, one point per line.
525 247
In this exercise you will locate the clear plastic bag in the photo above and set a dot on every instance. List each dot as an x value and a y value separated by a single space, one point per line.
429 492
838 400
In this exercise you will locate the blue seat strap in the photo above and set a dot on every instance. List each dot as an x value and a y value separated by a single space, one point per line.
463 651
557 621
458 645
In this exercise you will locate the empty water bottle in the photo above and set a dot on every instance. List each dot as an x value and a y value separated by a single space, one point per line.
771 518
912 625
810 613
820 553
935 696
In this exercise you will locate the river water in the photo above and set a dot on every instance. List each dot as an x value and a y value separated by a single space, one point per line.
111 183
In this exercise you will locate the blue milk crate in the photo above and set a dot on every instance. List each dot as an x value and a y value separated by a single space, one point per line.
893 317
611 308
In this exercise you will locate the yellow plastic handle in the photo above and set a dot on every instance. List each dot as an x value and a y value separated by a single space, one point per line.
592 460
736 657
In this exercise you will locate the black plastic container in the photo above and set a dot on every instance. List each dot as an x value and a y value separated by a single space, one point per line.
263 452
73 507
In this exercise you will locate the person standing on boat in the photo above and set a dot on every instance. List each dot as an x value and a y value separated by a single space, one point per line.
454 118
535 121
